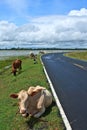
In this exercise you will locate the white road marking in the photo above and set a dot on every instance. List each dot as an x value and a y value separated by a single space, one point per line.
80 66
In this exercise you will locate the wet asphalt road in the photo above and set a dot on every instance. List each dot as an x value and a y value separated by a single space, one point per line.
69 78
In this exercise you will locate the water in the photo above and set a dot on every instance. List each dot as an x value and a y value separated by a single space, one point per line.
8 53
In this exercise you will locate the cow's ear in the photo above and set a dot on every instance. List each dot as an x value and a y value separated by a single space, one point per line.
33 93
14 95
30 90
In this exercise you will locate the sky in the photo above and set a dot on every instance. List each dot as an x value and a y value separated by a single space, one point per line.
43 23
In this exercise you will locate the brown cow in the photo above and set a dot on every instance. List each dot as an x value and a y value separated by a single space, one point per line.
16 65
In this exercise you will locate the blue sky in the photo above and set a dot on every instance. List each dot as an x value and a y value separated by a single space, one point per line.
17 11
43 22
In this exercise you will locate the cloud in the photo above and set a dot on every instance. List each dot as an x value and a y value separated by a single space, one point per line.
7 31
47 31
81 12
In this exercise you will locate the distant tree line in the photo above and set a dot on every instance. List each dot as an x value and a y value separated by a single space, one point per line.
44 49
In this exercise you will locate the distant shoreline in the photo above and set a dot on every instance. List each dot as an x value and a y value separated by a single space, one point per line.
44 49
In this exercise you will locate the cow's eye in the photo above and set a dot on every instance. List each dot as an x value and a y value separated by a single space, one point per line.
19 99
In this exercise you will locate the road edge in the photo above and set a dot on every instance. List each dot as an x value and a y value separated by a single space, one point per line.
63 115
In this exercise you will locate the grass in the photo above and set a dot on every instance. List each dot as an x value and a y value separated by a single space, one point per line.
78 55
30 75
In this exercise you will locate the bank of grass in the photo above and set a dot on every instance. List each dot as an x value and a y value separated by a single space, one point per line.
30 75
78 55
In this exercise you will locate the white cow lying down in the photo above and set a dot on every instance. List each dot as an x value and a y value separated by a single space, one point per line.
34 101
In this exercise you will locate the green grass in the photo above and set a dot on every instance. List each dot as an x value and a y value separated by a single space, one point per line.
78 55
30 75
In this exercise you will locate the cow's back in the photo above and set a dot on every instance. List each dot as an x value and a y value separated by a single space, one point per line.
17 63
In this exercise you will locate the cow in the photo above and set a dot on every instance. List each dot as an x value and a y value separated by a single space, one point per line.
17 64
32 56
34 101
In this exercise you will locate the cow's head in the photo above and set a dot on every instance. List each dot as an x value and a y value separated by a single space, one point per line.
23 98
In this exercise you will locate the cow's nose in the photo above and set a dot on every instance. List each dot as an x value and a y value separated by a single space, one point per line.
23 111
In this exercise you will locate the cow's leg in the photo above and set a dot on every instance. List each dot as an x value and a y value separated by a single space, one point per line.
20 64
20 67
40 113
14 73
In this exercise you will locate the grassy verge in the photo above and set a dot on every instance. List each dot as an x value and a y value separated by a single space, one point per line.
30 75
79 55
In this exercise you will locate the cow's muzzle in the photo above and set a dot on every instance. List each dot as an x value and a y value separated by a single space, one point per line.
25 115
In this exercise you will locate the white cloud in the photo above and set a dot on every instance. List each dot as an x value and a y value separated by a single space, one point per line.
81 12
7 31
46 31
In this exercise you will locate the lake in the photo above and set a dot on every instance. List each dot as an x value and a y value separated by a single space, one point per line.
8 53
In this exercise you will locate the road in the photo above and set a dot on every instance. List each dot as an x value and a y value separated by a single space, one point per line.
69 78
